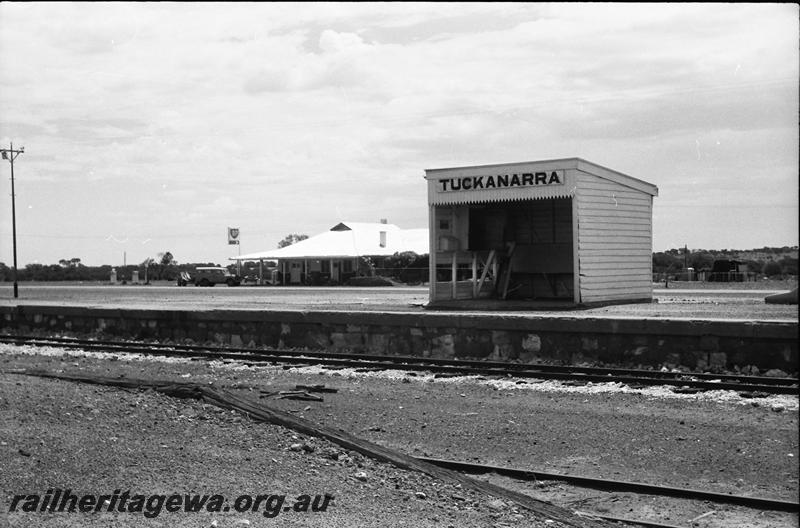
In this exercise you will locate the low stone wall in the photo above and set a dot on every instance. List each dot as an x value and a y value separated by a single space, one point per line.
706 345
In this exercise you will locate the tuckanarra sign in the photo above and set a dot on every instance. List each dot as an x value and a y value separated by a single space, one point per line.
501 181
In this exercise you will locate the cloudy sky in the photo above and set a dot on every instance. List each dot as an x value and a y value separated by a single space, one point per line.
150 127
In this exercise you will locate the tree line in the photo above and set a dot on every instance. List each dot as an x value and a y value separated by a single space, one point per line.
675 261
406 267
163 267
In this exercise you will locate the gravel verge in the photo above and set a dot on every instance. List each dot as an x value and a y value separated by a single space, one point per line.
95 440
719 442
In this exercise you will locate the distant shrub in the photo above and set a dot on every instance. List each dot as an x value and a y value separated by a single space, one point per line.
369 281
772 269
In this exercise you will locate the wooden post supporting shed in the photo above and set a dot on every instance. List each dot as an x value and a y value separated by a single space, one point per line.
548 233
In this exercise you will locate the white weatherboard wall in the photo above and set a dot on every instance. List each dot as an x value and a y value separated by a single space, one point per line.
615 236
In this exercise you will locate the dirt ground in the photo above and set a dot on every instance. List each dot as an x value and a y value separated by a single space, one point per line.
94 440
60 434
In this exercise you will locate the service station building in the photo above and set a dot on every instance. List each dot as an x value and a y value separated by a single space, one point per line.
552 233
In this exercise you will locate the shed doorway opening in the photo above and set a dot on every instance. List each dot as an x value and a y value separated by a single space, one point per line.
511 250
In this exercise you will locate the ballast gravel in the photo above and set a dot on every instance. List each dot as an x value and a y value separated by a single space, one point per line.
114 439
100 441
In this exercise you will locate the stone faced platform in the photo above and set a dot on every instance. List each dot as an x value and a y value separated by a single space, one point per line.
697 344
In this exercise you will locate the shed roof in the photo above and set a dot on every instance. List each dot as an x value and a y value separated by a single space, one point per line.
348 240
566 187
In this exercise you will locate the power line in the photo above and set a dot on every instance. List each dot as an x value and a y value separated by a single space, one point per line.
10 154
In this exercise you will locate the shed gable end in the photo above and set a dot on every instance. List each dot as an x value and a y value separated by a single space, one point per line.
614 240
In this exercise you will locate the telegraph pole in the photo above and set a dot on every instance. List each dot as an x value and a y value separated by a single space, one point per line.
10 154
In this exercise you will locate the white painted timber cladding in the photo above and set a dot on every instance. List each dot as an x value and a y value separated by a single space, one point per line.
615 240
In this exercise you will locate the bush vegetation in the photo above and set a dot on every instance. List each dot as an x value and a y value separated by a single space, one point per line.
407 267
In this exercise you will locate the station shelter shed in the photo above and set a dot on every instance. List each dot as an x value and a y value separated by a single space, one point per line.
555 233
347 250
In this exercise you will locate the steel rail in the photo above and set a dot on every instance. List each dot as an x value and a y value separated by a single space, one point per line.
760 380
646 524
644 377
619 485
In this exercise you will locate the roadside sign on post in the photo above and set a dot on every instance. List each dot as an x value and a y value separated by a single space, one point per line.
233 236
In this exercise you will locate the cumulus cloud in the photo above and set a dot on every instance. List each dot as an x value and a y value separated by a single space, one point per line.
271 104
338 64
332 42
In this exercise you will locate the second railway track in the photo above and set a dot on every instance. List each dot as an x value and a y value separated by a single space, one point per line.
687 381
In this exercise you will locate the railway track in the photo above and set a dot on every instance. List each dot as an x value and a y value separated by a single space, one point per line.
681 381
637 489
643 490
761 503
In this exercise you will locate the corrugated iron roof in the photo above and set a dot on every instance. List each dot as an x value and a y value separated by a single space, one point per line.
349 240
442 194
